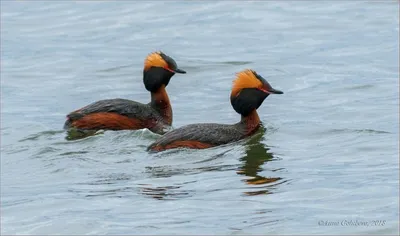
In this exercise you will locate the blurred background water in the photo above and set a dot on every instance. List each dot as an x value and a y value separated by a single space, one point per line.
329 152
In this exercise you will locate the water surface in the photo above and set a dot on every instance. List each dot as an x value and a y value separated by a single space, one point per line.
329 151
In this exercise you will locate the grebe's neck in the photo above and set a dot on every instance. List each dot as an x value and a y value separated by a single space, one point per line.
160 102
250 123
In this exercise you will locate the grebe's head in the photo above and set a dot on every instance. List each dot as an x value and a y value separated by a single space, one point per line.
158 70
249 91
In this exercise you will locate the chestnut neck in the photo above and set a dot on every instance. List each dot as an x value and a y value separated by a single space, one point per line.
160 102
250 122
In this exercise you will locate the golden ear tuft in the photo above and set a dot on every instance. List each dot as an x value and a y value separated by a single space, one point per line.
154 60
245 79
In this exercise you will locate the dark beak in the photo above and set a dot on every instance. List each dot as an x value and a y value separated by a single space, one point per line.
274 91
179 71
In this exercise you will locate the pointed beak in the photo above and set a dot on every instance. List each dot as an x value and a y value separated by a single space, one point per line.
175 71
179 71
274 91
271 91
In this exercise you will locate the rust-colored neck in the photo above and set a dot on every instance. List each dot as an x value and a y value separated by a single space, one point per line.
251 122
160 102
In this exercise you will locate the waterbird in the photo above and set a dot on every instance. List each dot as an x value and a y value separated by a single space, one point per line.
124 114
248 93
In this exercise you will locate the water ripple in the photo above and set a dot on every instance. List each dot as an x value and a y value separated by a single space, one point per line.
329 150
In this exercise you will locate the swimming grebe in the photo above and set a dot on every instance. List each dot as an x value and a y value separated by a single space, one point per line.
248 92
123 114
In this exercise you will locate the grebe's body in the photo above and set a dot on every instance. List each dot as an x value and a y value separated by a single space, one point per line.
248 93
123 114
120 114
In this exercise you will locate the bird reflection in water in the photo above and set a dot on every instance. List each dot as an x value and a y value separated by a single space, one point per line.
163 193
74 134
256 155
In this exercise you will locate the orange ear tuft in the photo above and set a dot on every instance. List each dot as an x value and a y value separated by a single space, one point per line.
154 59
245 79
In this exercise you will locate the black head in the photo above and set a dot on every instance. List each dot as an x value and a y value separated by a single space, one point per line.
249 91
158 70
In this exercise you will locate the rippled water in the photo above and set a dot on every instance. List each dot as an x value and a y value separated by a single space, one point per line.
329 151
